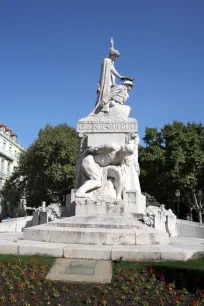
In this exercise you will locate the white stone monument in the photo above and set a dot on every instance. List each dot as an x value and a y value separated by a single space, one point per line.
107 194
108 169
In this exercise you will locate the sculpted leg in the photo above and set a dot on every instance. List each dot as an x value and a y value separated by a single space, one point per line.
92 172
114 172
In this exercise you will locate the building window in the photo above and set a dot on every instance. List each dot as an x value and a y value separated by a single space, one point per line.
10 148
2 165
9 168
4 144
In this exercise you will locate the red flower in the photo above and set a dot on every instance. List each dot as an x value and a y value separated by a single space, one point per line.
196 302
15 294
122 297
177 299
200 292
162 279
169 287
20 285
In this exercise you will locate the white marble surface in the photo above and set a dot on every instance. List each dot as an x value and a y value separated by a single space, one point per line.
161 219
179 248
106 85
103 230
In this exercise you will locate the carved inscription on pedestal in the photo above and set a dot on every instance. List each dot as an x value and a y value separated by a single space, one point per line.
107 127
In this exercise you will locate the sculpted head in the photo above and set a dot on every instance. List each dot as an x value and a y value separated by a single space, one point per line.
113 54
128 84
127 149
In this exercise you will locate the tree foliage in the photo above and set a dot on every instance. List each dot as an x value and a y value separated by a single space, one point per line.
46 168
173 158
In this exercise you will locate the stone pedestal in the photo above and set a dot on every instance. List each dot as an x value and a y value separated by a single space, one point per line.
111 207
105 206
36 218
99 130
135 202
43 217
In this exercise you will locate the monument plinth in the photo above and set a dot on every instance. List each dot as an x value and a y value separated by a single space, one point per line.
107 194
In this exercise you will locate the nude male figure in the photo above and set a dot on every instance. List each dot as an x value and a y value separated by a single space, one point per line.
110 156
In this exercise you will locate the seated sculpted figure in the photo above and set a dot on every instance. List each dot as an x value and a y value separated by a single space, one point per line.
114 102
103 161
107 79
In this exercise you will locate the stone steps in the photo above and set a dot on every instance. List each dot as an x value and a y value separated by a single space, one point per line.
96 230
98 221
179 249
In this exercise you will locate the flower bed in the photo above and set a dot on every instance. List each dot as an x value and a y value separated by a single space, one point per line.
22 282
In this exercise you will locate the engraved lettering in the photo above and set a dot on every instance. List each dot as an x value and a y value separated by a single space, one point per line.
107 126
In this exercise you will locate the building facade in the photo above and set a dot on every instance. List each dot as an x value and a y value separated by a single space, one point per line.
10 149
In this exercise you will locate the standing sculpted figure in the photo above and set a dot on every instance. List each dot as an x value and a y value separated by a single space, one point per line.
103 161
130 166
107 79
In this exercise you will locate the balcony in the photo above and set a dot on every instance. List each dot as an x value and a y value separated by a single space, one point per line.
7 154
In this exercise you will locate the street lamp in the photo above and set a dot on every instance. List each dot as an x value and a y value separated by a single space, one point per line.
177 194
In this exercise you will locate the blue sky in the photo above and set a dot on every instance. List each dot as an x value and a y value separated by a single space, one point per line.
51 52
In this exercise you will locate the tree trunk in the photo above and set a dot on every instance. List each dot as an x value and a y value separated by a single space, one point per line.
191 214
200 216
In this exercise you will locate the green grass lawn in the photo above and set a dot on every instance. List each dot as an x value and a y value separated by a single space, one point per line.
197 264
25 259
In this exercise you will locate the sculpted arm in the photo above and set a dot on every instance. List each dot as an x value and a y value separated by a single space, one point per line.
106 148
115 73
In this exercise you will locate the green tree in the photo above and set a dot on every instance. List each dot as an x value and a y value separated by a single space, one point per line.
47 167
172 158
11 193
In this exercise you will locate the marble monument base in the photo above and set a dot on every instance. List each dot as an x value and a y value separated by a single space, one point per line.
97 230
109 206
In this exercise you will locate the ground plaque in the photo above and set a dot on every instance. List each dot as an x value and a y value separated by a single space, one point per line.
81 267
77 270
